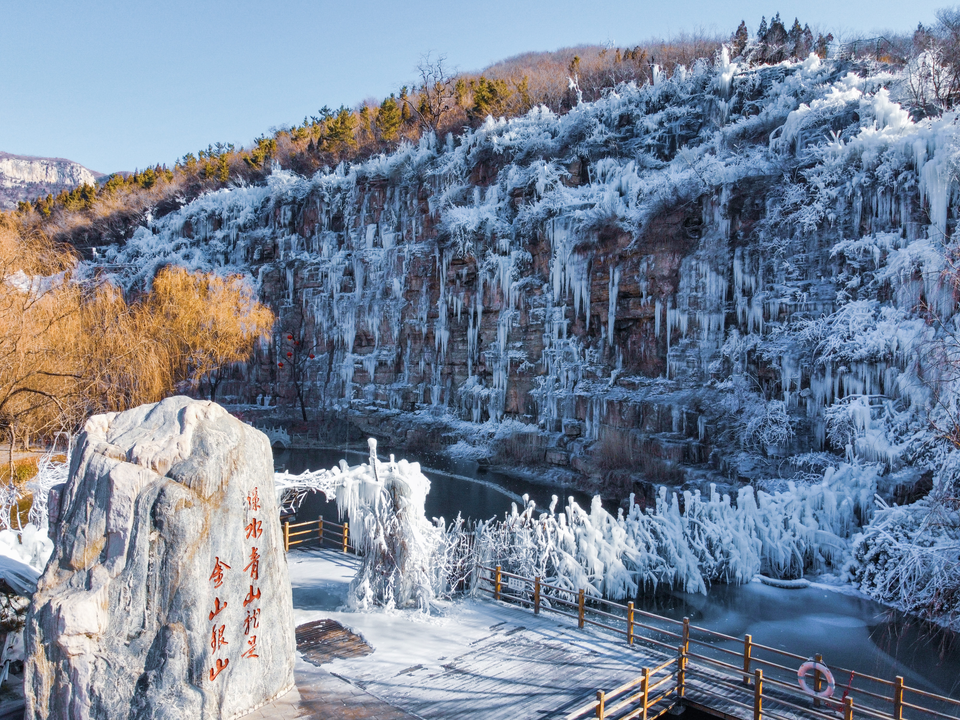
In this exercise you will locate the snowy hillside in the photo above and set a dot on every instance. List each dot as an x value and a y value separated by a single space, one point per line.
730 275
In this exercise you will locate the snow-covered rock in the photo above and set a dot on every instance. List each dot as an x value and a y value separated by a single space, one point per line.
26 178
168 594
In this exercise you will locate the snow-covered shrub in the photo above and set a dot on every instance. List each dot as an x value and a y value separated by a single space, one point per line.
909 555
387 525
766 424
685 544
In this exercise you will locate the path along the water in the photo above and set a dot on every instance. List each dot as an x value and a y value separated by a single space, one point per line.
477 659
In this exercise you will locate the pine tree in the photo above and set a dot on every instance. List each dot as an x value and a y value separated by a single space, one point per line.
341 130
404 105
740 39
389 119
366 124
489 98
777 41
806 43
762 30
794 39
823 45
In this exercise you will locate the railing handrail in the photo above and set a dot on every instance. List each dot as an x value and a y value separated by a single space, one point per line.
319 530
717 667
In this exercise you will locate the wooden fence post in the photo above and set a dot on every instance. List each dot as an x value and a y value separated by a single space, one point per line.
600 704
630 623
757 694
536 595
686 635
286 537
681 671
816 679
747 648
496 584
848 708
644 691
580 608
320 530
898 698
346 536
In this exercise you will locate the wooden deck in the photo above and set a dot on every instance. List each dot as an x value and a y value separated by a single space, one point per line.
535 670
550 656
725 676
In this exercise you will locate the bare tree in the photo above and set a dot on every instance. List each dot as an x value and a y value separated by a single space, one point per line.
297 352
436 92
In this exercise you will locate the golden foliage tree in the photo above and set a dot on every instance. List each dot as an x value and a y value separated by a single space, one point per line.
68 349
205 322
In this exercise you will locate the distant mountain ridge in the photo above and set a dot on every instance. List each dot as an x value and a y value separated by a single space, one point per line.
23 177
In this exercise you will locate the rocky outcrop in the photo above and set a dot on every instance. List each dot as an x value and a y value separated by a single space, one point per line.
167 595
26 178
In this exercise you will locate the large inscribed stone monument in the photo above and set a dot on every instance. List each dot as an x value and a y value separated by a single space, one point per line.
167 595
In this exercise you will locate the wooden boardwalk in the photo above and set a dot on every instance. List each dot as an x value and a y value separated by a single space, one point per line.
549 655
534 670
725 676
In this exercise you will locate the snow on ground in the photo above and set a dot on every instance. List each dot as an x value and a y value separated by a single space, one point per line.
467 658
402 638
477 651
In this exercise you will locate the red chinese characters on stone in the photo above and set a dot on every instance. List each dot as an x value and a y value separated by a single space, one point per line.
217 640
221 665
253 567
252 621
254 529
254 594
217 574
218 607
251 651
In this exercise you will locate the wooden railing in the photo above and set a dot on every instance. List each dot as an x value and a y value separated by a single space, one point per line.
317 532
702 666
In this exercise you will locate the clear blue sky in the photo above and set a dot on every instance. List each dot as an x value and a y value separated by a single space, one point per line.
129 83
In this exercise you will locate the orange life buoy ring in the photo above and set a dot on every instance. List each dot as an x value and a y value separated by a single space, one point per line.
824 671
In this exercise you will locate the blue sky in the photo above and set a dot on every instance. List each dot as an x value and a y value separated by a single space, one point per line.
125 84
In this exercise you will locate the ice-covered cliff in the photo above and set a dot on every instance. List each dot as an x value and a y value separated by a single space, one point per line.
26 178
734 274
718 275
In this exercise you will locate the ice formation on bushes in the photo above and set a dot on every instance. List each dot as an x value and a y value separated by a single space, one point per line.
687 541
31 545
384 502
387 524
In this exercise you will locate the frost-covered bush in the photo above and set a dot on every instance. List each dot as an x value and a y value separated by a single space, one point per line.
909 555
766 424
687 541
399 545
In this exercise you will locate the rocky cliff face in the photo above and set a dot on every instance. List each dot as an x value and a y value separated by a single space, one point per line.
732 274
26 178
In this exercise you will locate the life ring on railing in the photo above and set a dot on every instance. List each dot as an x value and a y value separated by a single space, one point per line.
824 670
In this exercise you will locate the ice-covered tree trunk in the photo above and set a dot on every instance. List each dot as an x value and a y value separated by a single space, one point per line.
385 504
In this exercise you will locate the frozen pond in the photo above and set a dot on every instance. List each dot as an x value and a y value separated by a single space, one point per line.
455 487
848 630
